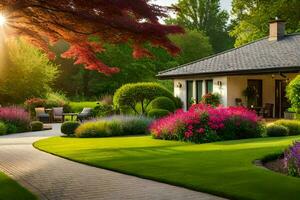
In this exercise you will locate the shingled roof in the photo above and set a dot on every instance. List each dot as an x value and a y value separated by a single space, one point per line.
256 57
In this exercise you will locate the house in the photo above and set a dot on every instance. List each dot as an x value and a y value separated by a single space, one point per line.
267 65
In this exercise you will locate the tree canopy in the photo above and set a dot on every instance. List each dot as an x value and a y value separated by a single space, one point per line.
75 21
252 17
27 73
205 16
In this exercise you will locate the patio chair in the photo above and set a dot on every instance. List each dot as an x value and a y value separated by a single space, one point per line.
58 114
41 115
86 113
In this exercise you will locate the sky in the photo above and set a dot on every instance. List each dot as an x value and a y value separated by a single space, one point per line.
225 4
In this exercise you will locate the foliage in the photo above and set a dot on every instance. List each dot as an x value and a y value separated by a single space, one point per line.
103 110
56 99
162 103
292 125
3 128
203 123
68 128
205 16
275 130
252 17
27 73
292 159
114 126
251 93
213 99
194 45
11 128
36 126
212 167
158 113
293 92
78 106
129 96
15 116
114 22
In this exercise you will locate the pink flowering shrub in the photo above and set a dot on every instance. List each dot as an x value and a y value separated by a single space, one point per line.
15 116
203 123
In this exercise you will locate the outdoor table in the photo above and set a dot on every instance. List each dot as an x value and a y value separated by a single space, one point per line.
50 112
69 114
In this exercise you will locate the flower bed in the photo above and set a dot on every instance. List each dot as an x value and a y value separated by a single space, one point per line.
292 159
15 119
203 123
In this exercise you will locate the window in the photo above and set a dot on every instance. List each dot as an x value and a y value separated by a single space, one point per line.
189 96
208 86
199 90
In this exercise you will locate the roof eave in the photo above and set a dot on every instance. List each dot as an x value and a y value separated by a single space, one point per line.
234 73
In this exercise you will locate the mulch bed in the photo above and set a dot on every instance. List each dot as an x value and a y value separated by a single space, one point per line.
276 165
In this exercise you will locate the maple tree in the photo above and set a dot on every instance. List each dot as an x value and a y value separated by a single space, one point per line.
111 21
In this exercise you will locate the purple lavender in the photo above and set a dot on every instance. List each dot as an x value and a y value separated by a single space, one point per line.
292 159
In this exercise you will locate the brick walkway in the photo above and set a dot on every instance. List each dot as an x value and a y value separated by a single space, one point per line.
51 177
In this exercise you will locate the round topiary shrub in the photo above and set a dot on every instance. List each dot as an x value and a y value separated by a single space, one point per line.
3 129
162 103
134 97
275 130
68 128
11 128
36 126
158 113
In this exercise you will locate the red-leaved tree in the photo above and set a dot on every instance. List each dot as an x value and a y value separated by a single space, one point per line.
113 21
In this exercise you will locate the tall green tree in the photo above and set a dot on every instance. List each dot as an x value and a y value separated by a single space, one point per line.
206 16
252 17
27 73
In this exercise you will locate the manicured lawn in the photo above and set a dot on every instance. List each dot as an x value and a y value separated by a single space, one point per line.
222 168
11 190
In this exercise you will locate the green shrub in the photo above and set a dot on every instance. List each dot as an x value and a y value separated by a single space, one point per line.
162 103
292 125
68 128
213 99
158 113
55 99
103 110
178 103
275 130
114 126
128 96
3 128
11 128
78 106
36 126
93 129
293 91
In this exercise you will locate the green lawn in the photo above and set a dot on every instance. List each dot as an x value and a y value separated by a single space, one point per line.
11 190
222 168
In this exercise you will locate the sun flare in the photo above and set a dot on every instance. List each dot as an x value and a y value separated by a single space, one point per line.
2 20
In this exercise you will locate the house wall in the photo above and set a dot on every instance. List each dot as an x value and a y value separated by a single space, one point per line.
232 87
182 93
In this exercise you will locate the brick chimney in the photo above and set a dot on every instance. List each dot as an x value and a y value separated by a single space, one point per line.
277 30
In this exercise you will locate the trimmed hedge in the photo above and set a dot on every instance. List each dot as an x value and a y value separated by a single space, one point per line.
78 106
128 96
275 130
158 113
69 127
163 103
36 126
292 125
114 126
3 129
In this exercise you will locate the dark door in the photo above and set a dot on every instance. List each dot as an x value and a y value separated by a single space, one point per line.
281 102
257 84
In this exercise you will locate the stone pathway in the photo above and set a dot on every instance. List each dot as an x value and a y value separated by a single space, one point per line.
51 177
